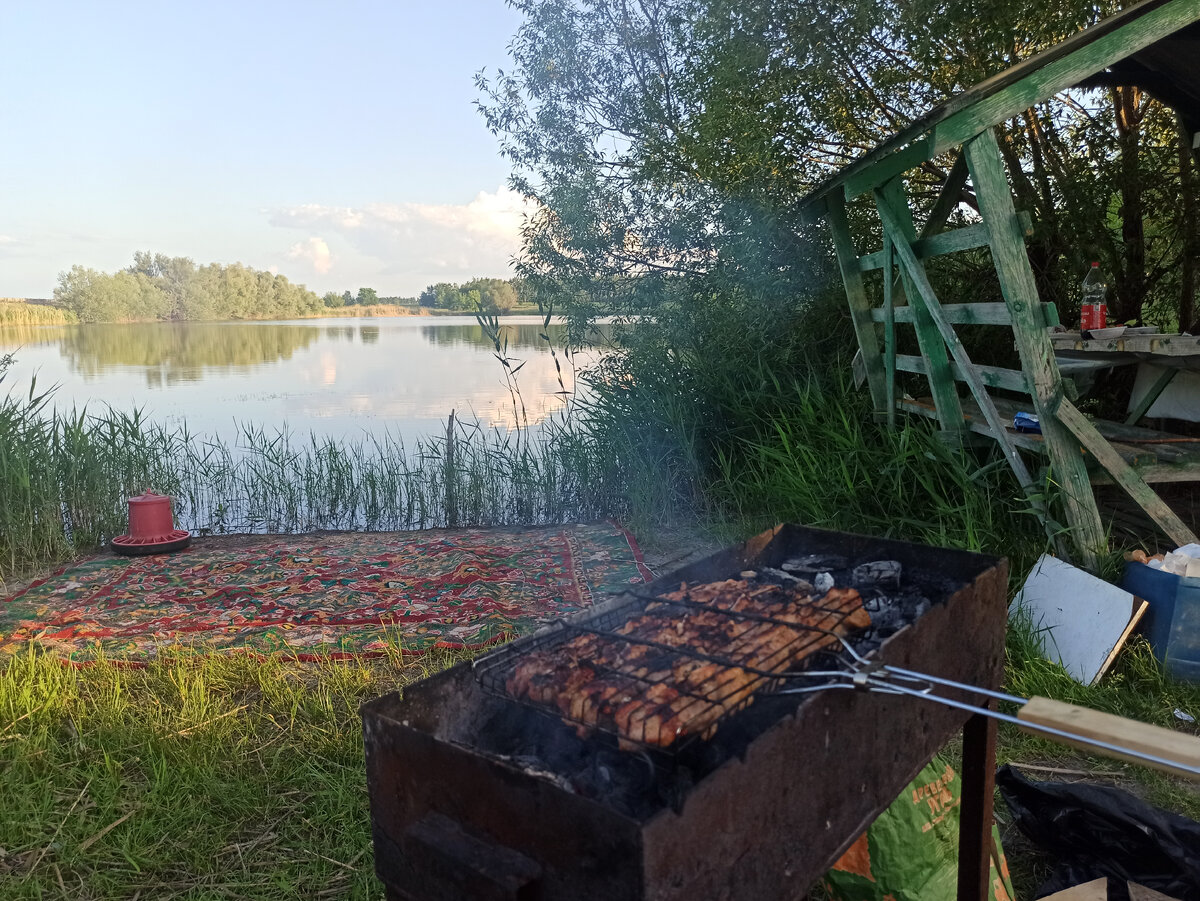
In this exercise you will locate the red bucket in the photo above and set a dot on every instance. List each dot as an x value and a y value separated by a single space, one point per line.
151 527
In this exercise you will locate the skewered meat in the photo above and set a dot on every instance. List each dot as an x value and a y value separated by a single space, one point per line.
689 659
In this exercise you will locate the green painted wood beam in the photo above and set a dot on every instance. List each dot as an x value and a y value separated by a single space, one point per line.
1124 474
1033 344
856 297
1160 385
926 297
900 231
973 314
1060 74
991 376
883 171
948 197
965 238
889 332
1157 473
1006 94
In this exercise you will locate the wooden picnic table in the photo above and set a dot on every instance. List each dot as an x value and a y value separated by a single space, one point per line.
1172 353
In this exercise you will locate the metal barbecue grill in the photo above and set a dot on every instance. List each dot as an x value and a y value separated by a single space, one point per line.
475 796
741 669
810 645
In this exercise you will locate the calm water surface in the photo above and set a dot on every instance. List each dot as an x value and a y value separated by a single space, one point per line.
332 377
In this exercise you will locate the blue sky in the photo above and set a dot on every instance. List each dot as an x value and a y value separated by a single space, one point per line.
335 142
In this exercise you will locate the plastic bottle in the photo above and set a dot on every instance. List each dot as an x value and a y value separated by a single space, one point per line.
1093 311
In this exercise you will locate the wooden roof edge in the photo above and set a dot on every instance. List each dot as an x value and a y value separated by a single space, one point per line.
1000 97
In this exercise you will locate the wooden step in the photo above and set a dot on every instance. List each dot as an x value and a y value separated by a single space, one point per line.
1158 456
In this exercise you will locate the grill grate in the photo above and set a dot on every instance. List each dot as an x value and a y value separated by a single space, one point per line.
656 671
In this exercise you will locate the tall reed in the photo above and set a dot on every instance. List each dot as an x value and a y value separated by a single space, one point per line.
65 477
17 312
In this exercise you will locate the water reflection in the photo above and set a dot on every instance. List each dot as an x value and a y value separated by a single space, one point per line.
331 377
173 352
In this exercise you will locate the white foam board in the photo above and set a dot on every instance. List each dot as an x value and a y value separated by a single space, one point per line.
1080 619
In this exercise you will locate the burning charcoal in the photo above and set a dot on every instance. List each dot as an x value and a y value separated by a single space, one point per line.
787 579
878 574
823 582
813 563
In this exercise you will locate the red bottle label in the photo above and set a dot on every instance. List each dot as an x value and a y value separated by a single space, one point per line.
1093 316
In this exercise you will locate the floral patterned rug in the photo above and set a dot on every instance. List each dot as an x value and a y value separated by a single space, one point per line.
347 593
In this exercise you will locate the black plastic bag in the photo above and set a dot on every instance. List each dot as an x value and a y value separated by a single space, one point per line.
1095 831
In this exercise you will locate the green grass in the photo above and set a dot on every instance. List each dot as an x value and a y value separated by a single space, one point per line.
210 777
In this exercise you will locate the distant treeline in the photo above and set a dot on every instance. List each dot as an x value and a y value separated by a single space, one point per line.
492 295
175 288
160 287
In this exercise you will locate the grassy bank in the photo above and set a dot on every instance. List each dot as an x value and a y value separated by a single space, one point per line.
228 777
231 776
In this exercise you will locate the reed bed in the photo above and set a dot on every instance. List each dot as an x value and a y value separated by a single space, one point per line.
65 477
14 311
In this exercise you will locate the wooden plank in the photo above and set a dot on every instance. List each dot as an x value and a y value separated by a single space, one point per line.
1030 442
1141 893
889 334
1177 747
1124 475
992 376
933 348
856 297
1158 473
1160 385
948 198
1033 345
925 297
1140 607
973 96
1059 74
1159 345
967 313
1096 890
965 238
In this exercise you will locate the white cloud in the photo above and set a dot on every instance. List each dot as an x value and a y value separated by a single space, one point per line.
315 251
420 243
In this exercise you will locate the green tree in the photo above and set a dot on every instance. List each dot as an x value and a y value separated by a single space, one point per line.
367 297
333 299
161 287
495 295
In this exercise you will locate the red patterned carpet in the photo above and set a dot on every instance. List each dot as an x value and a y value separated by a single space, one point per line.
330 594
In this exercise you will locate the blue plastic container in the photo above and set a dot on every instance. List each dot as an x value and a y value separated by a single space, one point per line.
1172 624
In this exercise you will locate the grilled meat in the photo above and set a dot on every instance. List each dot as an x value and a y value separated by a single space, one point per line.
687 661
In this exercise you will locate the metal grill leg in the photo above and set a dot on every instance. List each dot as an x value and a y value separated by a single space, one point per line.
975 822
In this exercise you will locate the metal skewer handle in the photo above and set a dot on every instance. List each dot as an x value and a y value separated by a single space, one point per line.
1080 727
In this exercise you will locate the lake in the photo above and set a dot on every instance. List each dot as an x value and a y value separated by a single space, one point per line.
332 377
